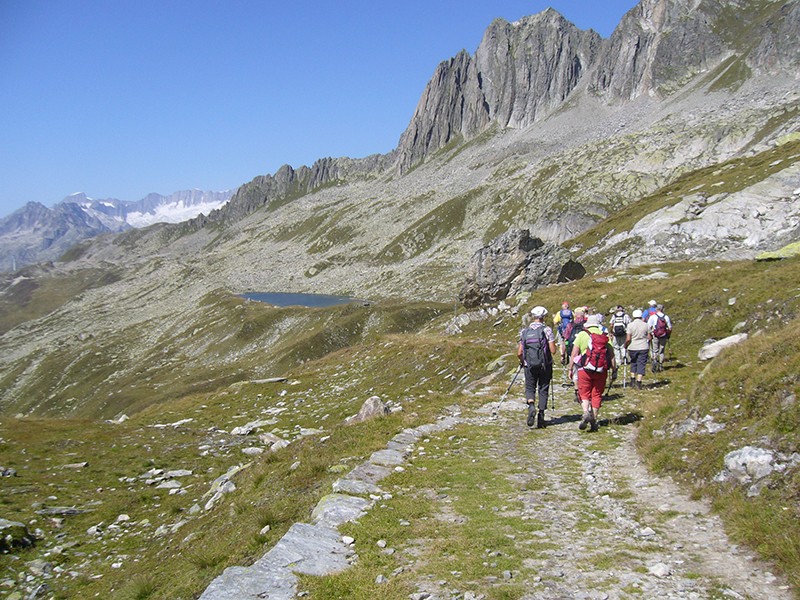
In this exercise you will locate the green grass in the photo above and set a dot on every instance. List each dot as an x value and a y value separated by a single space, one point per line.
411 363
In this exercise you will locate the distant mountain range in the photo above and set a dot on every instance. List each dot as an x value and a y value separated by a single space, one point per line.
35 233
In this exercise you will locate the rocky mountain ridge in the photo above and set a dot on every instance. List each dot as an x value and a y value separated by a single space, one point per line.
356 227
35 233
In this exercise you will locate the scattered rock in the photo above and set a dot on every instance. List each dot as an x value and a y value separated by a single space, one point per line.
660 570
711 350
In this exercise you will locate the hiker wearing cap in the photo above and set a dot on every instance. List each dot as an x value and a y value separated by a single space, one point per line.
535 351
561 321
592 357
660 327
638 344
618 328
650 310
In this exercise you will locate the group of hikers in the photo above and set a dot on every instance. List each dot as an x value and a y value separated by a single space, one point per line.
590 352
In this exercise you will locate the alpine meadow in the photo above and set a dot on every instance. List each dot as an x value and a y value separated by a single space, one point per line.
162 437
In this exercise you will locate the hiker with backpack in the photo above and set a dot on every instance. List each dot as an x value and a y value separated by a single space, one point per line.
573 329
619 334
592 358
637 343
650 310
561 321
660 327
535 351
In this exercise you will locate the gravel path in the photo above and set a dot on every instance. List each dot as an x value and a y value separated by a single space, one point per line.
613 529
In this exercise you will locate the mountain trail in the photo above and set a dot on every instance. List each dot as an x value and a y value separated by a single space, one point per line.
606 528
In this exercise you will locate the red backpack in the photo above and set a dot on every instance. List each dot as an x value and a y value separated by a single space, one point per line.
661 330
596 356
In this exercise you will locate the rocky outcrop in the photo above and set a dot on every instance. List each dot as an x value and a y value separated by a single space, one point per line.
287 184
516 262
521 72
526 70
657 43
728 225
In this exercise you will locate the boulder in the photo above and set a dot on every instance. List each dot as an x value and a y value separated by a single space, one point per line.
747 464
515 262
711 350
372 407
14 535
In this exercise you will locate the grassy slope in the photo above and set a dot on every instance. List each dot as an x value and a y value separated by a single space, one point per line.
419 371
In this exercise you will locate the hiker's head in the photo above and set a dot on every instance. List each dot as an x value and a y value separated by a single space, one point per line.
594 320
660 308
539 312
565 304
652 303
580 313
637 314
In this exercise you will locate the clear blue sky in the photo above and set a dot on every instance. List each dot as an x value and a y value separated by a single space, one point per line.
119 98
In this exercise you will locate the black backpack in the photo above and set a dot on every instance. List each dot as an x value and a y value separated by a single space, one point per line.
535 348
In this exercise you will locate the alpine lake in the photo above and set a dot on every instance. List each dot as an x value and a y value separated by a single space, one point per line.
305 300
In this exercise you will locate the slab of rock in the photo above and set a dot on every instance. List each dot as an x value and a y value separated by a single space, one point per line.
713 349
251 427
387 458
334 509
355 487
369 472
304 549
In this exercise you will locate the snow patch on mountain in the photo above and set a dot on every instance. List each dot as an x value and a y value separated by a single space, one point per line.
174 212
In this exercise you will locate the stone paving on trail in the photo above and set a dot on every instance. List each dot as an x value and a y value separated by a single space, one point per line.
605 527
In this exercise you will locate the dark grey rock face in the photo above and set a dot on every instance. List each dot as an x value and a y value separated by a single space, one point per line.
516 262
521 72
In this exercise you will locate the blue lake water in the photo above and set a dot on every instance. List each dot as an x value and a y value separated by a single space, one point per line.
307 300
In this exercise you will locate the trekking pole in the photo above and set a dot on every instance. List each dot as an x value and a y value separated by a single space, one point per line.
552 394
508 389
625 373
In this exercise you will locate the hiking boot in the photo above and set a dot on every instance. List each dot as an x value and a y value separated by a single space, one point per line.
638 385
540 420
531 415
584 421
592 421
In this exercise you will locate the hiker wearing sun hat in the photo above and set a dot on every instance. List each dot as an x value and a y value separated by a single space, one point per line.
593 358
535 351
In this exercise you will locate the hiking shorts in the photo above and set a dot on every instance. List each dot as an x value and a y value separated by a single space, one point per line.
638 361
591 386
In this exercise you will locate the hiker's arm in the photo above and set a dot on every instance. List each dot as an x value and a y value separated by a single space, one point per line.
552 348
572 357
628 340
519 353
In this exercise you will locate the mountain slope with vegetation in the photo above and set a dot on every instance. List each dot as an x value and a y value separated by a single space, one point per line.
748 390
157 428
